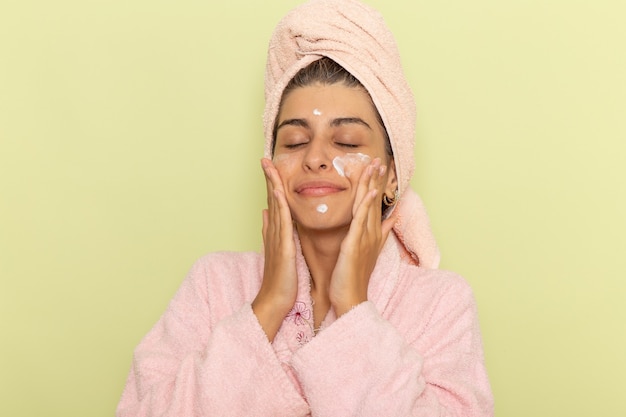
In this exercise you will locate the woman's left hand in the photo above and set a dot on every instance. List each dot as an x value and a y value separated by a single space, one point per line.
360 248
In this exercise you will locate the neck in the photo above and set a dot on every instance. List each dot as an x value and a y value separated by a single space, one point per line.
321 250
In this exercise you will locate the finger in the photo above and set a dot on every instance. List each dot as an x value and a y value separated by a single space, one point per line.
265 226
282 207
271 216
265 165
366 194
363 185
362 214
375 209
273 175
370 182
274 183
361 188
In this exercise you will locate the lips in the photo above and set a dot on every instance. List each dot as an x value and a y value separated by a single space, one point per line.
318 188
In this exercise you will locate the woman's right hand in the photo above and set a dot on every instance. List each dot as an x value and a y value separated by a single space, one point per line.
280 282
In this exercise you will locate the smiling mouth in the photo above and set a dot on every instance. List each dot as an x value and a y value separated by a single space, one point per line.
318 190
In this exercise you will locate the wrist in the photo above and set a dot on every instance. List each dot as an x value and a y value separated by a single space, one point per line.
270 313
344 306
276 304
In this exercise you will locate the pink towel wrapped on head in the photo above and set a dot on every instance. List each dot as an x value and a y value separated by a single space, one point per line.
357 38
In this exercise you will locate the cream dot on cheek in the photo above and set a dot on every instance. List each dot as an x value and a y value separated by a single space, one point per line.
347 163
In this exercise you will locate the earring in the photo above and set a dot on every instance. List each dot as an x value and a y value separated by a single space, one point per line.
391 201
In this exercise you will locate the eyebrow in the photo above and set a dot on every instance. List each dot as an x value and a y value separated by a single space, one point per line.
349 120
293 122
340 121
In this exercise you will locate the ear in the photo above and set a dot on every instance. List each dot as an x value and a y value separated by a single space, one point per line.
392 180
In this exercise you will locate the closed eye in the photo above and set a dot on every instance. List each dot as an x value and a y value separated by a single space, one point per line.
294 145
347 145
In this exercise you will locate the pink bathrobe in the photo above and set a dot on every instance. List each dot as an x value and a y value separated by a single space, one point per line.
413 349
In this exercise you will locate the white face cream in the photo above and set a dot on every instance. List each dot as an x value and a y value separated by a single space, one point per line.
317 112
283 161
347 163
322 208
280 158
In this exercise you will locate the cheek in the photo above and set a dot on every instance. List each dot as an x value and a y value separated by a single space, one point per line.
351 164
284 164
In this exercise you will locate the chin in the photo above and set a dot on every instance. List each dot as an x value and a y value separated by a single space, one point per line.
323 214
323 221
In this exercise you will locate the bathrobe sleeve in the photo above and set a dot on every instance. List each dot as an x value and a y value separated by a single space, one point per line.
361 365
204 359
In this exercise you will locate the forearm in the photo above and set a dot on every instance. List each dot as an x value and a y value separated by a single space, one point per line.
362 366
237 373
358 364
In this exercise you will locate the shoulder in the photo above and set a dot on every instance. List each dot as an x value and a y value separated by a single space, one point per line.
232 277
220 263
435 282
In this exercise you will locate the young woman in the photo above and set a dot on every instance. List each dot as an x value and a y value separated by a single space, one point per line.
344 313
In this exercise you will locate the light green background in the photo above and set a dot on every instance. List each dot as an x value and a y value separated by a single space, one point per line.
130 135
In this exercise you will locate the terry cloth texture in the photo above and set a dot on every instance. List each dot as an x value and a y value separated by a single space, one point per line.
356 37
414 349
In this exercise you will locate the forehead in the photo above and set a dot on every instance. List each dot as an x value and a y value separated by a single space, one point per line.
333 100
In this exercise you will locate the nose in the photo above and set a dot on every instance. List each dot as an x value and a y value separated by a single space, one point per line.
317 157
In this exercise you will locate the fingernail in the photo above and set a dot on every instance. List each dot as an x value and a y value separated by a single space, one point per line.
381 170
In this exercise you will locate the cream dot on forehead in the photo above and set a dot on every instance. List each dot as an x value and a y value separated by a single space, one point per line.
317 112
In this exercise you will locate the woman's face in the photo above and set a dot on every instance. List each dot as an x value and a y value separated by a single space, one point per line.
326 136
